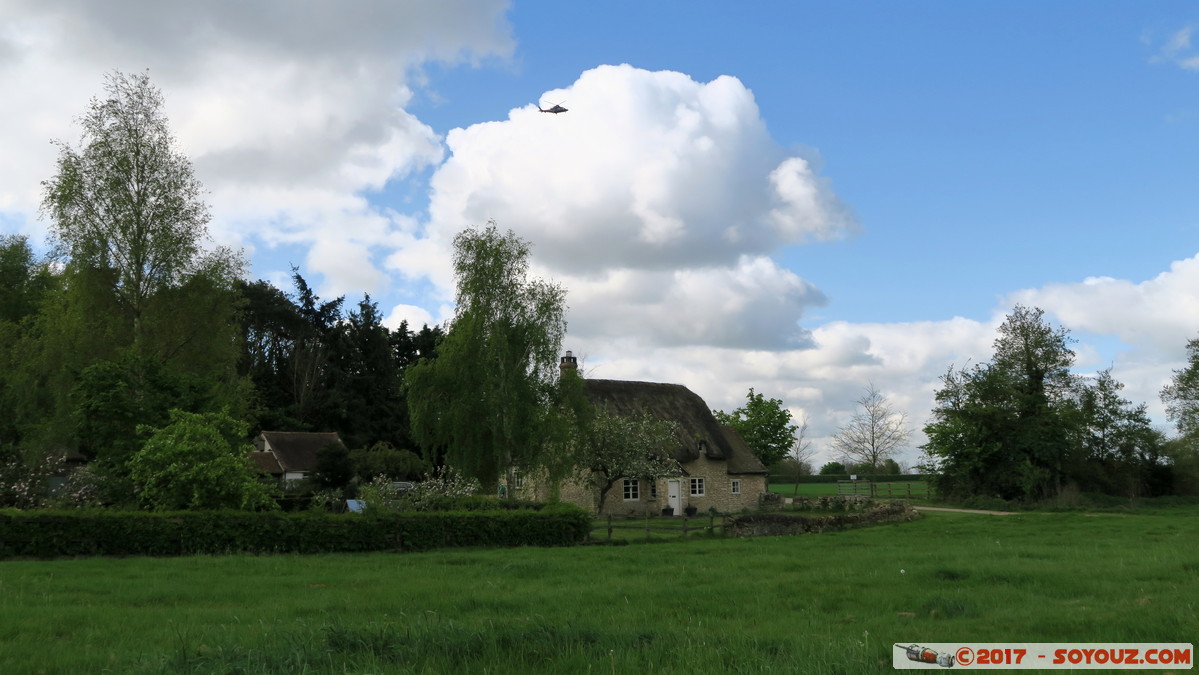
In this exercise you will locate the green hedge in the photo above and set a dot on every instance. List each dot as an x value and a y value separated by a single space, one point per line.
50 534
833 478
480 503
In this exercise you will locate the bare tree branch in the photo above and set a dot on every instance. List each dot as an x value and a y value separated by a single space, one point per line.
875 433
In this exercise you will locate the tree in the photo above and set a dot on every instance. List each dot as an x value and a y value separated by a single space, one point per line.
765 424
128 201
487 399
614 447
1121 452
369 381
24 284
832 469
24 280
113 398
1181 396
382 459
140 282
198 461
312 370
801 453
333 468
1008 427
873 434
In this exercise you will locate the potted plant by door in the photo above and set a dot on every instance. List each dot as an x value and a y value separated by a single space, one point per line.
668 510
690 511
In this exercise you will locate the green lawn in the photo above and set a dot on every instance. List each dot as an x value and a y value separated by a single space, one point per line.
824 603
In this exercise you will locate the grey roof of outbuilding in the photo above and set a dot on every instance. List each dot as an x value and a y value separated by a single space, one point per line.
296 450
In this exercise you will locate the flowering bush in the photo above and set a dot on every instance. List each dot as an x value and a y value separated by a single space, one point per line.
84 488
26 484
382 494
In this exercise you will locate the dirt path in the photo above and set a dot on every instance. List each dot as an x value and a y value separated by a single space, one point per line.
938 508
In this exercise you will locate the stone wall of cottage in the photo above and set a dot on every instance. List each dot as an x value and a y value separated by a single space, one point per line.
651 496
718 487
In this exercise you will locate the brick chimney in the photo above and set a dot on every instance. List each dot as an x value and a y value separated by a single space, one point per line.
569 364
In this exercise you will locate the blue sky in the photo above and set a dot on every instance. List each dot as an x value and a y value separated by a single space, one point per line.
801 197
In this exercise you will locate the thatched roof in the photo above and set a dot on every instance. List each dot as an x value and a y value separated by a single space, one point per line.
698 429
296 450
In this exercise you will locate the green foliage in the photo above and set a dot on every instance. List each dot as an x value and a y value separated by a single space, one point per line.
128 201
314 367
113 398
48 534
488 399
1023 427
140 315
1121 453
198 461
832 468
613 447
765 424
333 468
1181 396
23 280
381 459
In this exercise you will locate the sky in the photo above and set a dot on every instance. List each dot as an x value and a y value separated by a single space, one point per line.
805 198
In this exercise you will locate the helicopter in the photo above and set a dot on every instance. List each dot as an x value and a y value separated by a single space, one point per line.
557 108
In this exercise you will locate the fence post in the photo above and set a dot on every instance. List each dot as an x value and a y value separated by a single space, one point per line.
684 525
647 525
609 527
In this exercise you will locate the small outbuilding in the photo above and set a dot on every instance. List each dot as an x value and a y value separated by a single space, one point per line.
290 455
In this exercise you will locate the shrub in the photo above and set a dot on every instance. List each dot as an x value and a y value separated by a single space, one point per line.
48 534
197 462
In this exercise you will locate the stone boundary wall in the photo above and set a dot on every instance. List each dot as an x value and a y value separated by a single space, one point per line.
843 513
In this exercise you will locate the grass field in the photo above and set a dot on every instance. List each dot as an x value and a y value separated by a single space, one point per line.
885 490
829 603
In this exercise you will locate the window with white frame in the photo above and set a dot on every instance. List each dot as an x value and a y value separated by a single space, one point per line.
697 487
518 479
736 486
632 489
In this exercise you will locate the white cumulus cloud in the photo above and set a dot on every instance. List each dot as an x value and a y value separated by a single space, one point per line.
290 110
656 200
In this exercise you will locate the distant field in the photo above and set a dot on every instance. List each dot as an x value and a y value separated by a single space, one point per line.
805 489
816 603
896 490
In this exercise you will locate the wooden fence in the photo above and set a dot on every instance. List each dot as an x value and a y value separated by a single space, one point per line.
666 524
889 490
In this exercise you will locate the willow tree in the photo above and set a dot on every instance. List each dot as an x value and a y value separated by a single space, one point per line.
488 400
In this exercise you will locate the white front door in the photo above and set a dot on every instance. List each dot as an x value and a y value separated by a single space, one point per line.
674 495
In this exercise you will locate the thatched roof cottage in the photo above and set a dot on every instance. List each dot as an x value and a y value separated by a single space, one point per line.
718 468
